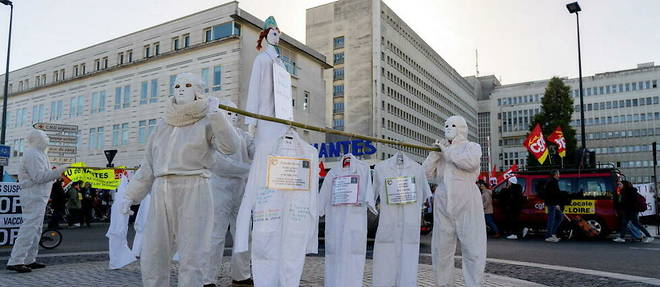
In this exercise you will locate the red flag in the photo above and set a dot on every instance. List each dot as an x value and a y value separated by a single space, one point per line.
557 137
507 174
493 176
536 144
322 171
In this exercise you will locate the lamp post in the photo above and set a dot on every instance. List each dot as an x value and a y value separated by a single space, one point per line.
6 92
575 8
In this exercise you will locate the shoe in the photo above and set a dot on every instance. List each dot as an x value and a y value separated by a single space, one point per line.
619 239
552 239
512 237
19 268
76 225
525 231
648 239
36 265
246 282
209 285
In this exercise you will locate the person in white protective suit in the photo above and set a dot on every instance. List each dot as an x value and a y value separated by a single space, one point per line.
36 179
285 221
401 184
458 209
119 253
175 170
229 175
346 194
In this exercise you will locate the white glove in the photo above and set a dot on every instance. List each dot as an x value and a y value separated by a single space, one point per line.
125 207
442 143
252 130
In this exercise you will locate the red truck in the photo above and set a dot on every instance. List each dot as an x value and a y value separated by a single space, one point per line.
592 193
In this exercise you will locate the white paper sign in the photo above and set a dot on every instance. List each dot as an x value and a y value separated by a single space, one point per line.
288 173
646 190
345 190
282 93
400 190
10 212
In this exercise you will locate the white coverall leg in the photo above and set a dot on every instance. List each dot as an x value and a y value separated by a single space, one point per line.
177 201
27 244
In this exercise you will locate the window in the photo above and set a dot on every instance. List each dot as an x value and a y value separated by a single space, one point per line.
152 127
338 124
73 104
129 53
105 62
117 98
216 78
172 80
38 113
223 30
62 74
127 96
175 43
186 40
75 70
120 58
56 110
339 42
124 134
205 79
82 69
157 49
81 106
338 108
142 131
208 36
116 135
339 58
338 91
144 88
338 74
147 51
97 64
306 101
92 139
154 91
56 77
37 80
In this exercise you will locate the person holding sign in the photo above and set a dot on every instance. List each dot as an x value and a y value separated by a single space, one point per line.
346 194
175 170
227 186
282 206
36 179
458 212
402 187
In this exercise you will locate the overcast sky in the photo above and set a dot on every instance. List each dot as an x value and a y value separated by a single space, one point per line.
518 40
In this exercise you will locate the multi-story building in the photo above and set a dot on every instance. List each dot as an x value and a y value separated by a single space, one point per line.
116 90
622 118
387 82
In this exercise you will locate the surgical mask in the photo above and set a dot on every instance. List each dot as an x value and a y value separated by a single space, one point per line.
273 37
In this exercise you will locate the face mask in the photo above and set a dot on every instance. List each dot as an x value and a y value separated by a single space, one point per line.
450 131
184 91
233 117
273 37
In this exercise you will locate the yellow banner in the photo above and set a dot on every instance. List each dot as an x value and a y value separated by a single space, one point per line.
579 206
102 179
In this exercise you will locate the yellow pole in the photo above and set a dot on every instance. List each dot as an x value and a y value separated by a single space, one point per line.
324 130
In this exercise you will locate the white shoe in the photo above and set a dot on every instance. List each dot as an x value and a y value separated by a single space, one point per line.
552 239
619 239
648 239
77 225
512 237
524 232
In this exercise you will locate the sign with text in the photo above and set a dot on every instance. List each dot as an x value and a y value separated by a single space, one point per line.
646 190
61 159
10 212
60 128
63 139
5 152
62 149
288 173
99 178
282 93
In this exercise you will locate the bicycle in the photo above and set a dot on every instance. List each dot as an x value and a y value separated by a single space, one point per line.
50 239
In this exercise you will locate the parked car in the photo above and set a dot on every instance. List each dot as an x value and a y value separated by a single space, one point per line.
592 193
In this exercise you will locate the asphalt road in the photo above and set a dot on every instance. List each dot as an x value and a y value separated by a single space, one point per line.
638 259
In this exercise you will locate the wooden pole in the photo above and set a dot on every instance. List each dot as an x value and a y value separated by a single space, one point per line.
324 130
100 168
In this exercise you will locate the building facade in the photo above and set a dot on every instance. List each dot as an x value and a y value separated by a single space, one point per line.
116 91
622 119
387 82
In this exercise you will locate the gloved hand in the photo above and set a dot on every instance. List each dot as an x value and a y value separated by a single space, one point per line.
252 130
442 143
125 207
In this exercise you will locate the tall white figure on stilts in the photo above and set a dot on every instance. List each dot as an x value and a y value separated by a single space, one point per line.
284 221
458 209
230 174
175 170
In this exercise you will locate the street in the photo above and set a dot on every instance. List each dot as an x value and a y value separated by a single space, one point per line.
637 259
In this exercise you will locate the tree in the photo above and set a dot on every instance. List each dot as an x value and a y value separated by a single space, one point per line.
556 110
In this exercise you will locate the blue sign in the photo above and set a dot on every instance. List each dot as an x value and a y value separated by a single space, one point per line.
5 151
337 149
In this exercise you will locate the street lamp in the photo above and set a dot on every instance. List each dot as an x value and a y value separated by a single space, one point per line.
6 94
575 8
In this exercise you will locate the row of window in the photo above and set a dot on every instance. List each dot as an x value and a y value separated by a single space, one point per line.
636 102
617 88
622 149
629 118
150 50
518 120
96 138
621 134
636 163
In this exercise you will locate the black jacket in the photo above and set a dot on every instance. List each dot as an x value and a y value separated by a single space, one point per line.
553 195
58 196
512 197
628 200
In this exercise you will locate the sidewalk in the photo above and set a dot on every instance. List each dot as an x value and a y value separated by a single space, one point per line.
92 270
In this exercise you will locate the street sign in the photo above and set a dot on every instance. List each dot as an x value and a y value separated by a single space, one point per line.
63 138
110 155
62 149
5 152
61 159
48 127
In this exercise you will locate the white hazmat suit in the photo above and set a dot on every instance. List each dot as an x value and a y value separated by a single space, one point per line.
285 222
119 253
227 186
458 209
346 194
176 171
402 187
36 180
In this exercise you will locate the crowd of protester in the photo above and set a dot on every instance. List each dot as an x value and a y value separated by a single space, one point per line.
77 204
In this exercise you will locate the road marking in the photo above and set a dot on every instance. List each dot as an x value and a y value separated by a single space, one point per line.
642 248
647 280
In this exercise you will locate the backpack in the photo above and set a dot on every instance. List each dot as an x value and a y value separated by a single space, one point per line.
640 203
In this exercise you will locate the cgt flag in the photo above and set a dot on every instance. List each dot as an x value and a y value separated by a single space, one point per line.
557 137
507 174
536 144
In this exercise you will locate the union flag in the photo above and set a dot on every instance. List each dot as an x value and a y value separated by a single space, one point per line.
557 137
536 144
